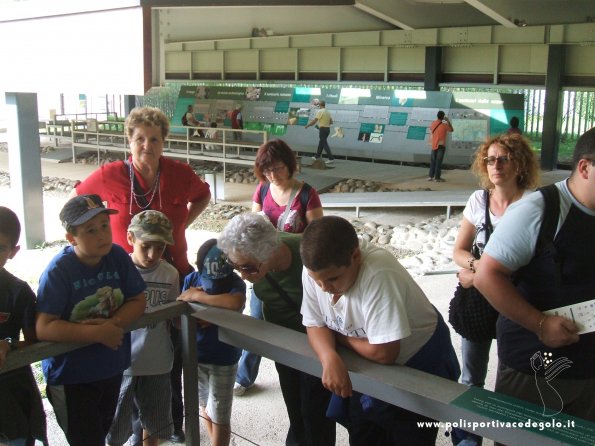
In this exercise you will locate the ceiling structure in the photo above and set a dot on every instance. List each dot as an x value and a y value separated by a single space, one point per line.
77 28
420 14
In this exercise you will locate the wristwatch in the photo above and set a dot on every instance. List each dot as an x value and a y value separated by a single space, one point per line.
12 343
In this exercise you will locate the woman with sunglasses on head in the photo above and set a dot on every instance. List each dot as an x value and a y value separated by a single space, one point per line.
270 260
507 169
290 205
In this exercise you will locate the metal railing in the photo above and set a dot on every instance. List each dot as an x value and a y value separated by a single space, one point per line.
180 145
402 386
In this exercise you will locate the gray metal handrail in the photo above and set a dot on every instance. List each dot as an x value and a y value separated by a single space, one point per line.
402 386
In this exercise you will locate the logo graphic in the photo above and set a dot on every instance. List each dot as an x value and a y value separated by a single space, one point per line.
546 369
91 204
102 304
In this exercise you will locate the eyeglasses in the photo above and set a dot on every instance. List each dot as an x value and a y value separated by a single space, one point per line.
491 160
276 170
247 269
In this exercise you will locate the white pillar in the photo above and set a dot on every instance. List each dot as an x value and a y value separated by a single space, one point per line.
24 162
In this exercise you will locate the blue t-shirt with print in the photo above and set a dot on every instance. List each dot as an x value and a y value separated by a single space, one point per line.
74 291
210 350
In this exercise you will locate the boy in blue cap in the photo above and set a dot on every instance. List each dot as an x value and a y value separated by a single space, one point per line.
217 285
88 294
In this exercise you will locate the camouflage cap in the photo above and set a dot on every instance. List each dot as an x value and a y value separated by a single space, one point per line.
152 226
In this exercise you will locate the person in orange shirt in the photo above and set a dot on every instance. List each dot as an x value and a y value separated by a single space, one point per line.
438 130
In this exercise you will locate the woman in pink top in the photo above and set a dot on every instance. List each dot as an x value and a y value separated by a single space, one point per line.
290 205
275 166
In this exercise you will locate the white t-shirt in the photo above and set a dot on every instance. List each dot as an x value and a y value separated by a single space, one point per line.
151 348
383 305
474 212
513 243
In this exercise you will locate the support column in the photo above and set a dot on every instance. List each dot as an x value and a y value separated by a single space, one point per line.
25 166
129 103
552 116
433 66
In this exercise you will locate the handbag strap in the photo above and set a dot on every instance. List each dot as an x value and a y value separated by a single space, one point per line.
281 292
487 222
283 217
486 227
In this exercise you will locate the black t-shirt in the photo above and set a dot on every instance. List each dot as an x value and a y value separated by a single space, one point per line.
17 305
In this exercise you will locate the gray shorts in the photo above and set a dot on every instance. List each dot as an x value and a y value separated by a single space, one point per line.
152 394
215 390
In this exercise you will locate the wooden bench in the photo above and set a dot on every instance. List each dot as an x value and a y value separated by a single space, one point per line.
396 199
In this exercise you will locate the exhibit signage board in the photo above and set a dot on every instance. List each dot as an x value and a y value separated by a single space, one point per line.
381 122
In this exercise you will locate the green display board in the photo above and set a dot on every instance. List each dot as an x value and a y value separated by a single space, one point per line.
398 118
282 107
416 133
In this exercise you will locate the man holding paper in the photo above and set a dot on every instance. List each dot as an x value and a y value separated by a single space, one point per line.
523 284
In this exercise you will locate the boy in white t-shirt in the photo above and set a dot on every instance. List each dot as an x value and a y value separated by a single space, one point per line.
359 296
146 383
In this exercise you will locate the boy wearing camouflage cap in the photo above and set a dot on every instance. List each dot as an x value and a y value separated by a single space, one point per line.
147 382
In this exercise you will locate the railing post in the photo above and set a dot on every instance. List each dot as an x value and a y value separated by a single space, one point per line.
189 367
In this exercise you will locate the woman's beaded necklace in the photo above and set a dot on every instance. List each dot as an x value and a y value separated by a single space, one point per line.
156 189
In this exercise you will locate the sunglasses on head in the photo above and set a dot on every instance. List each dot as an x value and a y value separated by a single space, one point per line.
246 269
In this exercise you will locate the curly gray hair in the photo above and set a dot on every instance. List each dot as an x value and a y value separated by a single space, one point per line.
251 235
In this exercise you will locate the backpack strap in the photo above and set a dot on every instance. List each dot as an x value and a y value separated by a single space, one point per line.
547 231
305 195
551 214
264 188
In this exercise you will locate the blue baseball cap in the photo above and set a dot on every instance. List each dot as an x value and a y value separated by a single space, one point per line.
81 209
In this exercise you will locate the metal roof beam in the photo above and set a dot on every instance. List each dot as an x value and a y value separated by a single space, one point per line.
482 7
374 12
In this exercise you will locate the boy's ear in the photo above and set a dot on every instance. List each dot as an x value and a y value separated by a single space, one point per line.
13 251
70 239
130 238
356 257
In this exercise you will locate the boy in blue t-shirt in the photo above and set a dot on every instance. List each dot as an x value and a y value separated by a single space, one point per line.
88 294
217 285
146 382
22 419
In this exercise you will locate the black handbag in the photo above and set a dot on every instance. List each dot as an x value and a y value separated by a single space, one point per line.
469 313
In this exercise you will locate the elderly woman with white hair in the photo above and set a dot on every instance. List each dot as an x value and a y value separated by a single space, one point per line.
271 261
